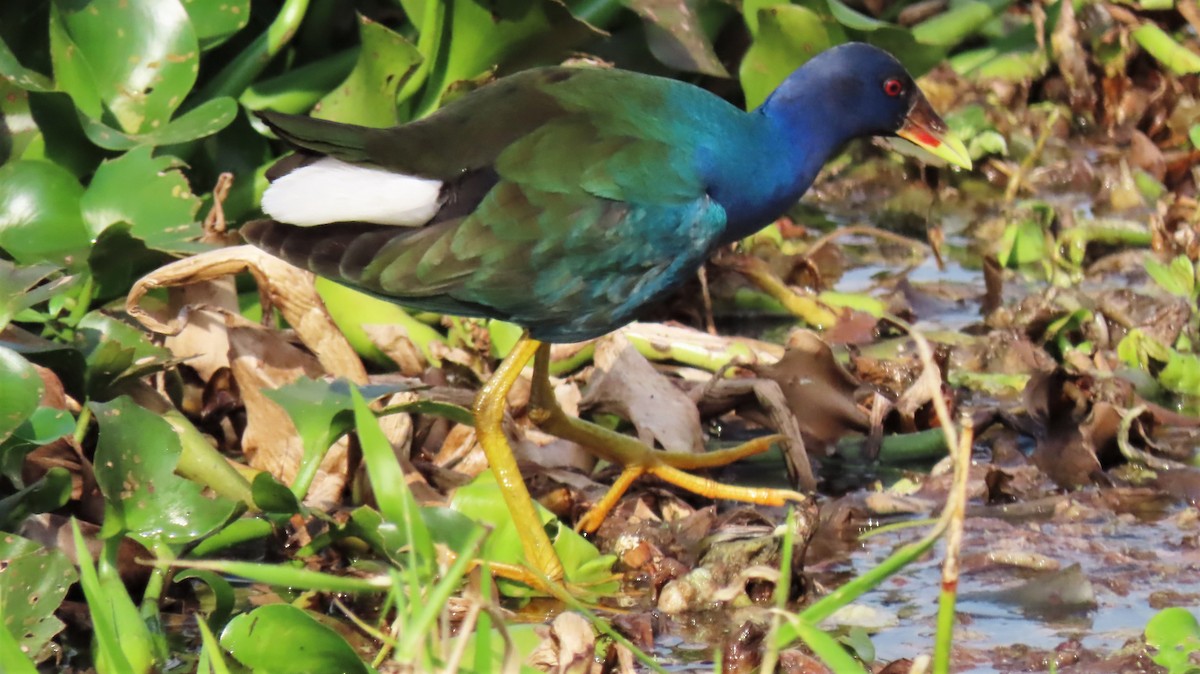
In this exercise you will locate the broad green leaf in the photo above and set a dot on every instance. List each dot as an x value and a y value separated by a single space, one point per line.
135 468
788 35
1194 135
115 350
18 75
351 310
20 137
203 120
298 90
368 94
484 35
955 25
142 56
1181 373
147 192
44 426
218 604
483 501
19 288
917 57
1023 243
33 583
39 214
272 496
50 492
20 390
255 638
1175 633
72 73
676 36
1178 278
1178 58
216 22
320 411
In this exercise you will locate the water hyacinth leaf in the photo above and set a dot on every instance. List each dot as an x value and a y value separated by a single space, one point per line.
41 578
299 89
1175 632
1181 374
220 599
960 22
40 219
676 36
143 57
254 639
115 350
1178 58
20 137
320 411
1177 278
136 457
50 492
482 500
917 57
788 35
44 426
216 22
484 35
368 94
147 192
19 288
204 120
272 496
18 75
21 390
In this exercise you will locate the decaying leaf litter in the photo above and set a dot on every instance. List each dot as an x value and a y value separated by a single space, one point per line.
1084 516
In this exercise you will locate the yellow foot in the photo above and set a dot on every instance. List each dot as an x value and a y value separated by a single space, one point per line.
666 467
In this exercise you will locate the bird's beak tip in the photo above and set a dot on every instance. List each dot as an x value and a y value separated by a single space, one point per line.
924 128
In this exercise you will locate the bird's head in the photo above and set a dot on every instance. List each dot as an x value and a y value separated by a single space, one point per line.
858 90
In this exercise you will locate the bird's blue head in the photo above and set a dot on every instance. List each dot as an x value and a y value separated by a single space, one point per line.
858 90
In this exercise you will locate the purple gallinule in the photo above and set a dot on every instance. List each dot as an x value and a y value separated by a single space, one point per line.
564 200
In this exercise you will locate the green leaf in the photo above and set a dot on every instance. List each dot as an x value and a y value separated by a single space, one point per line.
676 36
960 22
18 75
483 501
1194 135
122 641
368 94
114 351
149 193
917 57
1175 633
299 89
135 464
1023 243
216 22
221 594
1181 374
20 391
203 120
395 499
50 492
788 35
1176 57
272 496
320 411
19 288
20 137
39 214
142 56
40 578
255 638
1178 278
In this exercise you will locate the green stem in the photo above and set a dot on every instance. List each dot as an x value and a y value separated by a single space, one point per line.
235 77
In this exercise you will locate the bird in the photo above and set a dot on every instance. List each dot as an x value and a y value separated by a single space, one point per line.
565 200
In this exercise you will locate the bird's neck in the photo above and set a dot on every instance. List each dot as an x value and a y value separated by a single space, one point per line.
766 166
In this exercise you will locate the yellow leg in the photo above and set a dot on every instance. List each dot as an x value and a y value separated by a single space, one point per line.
638 459
489 417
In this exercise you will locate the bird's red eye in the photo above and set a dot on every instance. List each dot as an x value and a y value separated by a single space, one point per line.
893 87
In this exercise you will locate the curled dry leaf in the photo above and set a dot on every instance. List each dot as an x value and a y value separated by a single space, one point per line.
282 286
627 385
569 647
819 391
202 343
